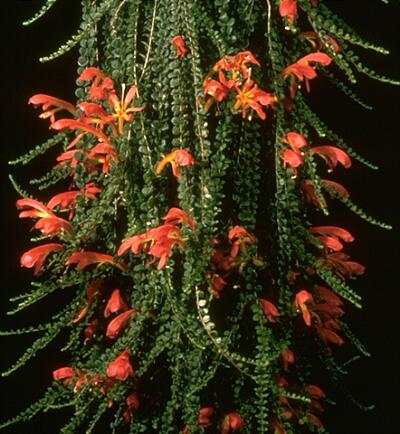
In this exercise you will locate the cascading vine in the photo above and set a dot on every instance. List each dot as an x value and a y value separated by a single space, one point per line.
207 282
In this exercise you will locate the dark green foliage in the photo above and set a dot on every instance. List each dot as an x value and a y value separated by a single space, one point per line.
194 345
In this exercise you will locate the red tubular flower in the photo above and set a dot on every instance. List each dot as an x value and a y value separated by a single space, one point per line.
120 368
178 158
162 239
101 86
218 91
205 415
54 226
330 236
296 141
240 237
288 9
66 373
341 265
250 96
69 156
179 43
293 157
36 256
237 63
90 330
133 403
302 300
118 323
84 259
38 209
287 357
80 125
47 101
309 191
303 71
104 153
217 285
270 310
115 303
332 155
176 216
232 422
91 292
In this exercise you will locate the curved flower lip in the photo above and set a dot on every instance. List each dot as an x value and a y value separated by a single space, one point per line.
176 216
177 158
35 257
118 323
86 258
53 226
101 86
79 125
302 298
38 209
333 231
65 373
270 310
120 368
115 303
332 155
295 140
288 9
47 101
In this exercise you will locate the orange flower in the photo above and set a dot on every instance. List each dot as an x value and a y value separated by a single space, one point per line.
66 373
101 86
36 256
53 226
120 368
84 259
303 71
38 209
240 237
115 303
270 310
288 9
178 158
176 216
302 301
162 239
332 155
123 112
47 101
118 323
232 422
330 236
179 43
250 96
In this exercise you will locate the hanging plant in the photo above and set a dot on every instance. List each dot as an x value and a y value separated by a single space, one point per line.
192 227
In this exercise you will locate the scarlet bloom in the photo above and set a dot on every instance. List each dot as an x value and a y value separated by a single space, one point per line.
91 292
270 310
302 301
78 125
332 155
179 43
287 357
339 262
36 256
54 226
84 259
178 158
309 190
293 157
66 373
303 71
176 216
104 153
240 237
205 415
38 209
120 368
250 96
115 303
330 236
232 422
51 105
236 64
288 9
216 90
101 86
118 323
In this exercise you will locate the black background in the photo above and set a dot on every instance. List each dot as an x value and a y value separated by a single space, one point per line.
374 134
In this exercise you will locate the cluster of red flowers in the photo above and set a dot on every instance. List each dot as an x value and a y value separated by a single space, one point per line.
227 259
231 423
290 411
160 241
295 155
234 77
